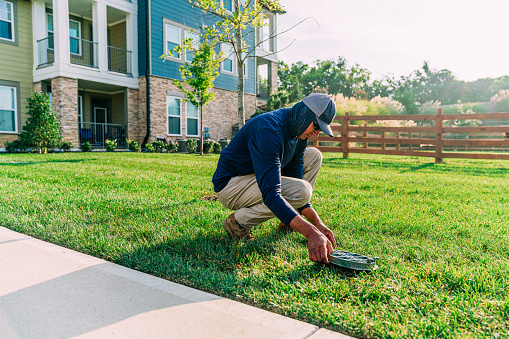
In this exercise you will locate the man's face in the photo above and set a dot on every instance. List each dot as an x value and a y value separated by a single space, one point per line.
310 132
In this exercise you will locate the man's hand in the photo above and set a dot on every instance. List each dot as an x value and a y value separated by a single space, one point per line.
319 246
327 232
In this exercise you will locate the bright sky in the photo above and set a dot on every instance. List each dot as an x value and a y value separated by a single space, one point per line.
395 37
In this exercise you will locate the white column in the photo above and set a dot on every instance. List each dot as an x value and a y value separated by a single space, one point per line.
132 40
61 32
100 29
39 32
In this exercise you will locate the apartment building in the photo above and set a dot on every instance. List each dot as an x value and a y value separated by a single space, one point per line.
100 62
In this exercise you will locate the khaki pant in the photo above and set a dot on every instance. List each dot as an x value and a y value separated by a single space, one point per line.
243 195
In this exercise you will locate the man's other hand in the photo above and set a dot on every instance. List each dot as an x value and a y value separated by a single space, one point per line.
319 246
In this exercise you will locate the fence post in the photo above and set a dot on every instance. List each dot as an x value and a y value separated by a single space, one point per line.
365 135
344 135
438 137
398 146
383 137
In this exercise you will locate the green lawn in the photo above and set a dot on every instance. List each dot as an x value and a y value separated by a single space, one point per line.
441 233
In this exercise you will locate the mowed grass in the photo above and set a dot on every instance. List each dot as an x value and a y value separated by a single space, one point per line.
441 233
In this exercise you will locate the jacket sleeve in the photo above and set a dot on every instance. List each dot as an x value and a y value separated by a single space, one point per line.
265 148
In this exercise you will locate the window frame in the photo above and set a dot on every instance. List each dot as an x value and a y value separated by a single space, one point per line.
48 15
16 106
13 22
183 31
232 58
78 37
168 97
197 118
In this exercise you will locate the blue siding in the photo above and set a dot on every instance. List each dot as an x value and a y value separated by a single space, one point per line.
182 12
142 40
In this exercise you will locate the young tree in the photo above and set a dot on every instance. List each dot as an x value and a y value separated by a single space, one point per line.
199 75
232 27
41 130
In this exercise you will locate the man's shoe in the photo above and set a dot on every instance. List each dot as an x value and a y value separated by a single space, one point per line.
234 230
284 228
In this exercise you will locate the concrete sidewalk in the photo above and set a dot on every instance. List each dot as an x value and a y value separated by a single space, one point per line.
47 291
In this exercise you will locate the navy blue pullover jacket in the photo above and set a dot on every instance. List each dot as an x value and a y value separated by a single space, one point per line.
268 146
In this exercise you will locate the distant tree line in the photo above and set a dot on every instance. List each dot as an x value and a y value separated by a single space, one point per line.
420 87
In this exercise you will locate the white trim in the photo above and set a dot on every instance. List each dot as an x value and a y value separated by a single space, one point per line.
197 118
183 31
174 116
15 110
80 110
73 37
105 115
228 51
13 33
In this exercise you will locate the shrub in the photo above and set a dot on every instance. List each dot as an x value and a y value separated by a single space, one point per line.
216 148
13 147
158 146
110 145
86 147
41 130
172 146
501 101
207 146
149 148
66 146
191 145
133 146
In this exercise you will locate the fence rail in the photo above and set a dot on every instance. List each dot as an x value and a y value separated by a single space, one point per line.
83 52
97 133
421 141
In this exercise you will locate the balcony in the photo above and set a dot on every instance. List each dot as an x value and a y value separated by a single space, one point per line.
83 52
45 51
119 60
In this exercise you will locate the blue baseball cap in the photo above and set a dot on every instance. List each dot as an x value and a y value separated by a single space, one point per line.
324 107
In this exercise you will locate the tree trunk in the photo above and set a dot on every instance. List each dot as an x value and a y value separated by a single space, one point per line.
201 128
240 70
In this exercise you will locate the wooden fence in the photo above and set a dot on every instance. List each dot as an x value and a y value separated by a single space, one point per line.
421 141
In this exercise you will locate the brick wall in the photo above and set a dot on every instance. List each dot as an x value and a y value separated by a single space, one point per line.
65 106
219 115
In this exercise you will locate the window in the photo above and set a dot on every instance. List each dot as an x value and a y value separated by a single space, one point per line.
228 5
174 120
6 21
173 38
8 109
227 65
75 37
192 120
74 34
174 35
195 38
49 28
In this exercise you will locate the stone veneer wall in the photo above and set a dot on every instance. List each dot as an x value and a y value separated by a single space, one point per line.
65 106
273 77
219 115
133 115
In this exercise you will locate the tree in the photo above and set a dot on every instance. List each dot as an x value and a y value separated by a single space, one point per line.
200 75
41 130
232 28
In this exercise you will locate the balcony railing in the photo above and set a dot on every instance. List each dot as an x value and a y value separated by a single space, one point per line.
262 90
46 52
83 52
119 60
97 133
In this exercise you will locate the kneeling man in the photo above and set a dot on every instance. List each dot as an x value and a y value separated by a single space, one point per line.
267 170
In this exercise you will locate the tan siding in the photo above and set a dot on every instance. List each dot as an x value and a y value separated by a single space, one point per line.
16 61
118 35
